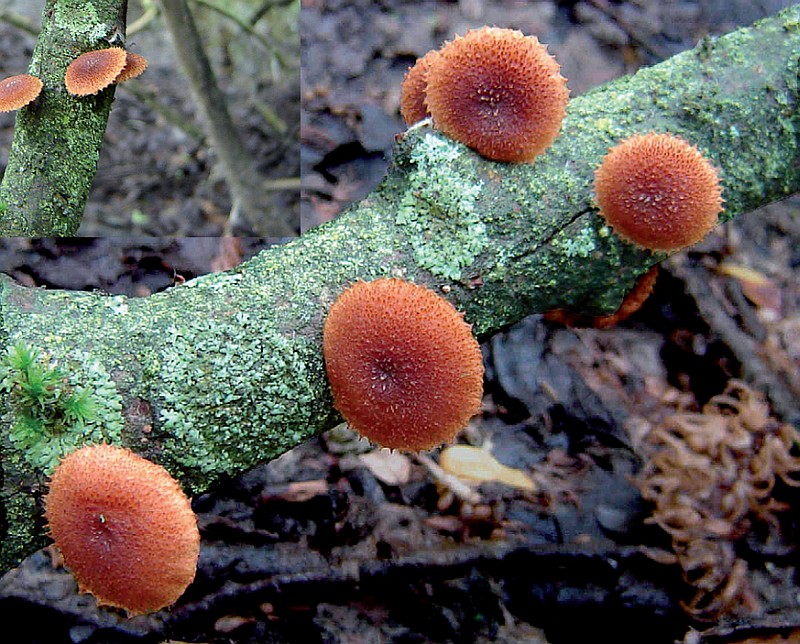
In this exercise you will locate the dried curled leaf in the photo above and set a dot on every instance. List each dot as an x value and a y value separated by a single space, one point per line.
476 464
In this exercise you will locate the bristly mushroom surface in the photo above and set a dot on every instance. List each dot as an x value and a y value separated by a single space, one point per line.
135 65
18 91
125 528
412 90
95 70
658 192
498 92
404 367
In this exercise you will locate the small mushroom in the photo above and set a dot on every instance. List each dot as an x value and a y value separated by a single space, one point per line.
631 303
658 191
135 65
95 70
498 92
18 91
125 528
412 91
403 366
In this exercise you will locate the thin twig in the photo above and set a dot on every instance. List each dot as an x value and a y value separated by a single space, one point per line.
19 21
143 21
236 162
242 24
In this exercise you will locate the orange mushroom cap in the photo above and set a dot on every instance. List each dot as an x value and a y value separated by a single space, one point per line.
404 367
135 65
18 91
498 92
630 304
124 526
94 70
412 91
658 191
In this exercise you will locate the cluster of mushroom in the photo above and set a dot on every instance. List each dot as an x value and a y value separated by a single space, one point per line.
86 75
403 366
124 527
709 476
495 90
500 93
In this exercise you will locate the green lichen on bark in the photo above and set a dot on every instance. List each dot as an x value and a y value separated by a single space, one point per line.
226 371
437 213
207 378
57 138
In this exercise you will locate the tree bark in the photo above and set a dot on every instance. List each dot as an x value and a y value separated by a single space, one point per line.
57 138
214 376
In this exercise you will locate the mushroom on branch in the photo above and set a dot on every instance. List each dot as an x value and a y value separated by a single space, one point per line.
658 191
95 70
125 528
412 90
631 303
404 367
18 91
498 92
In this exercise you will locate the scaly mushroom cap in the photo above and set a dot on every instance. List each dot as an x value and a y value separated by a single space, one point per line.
18 91
658 191
124 526
135 65
94 70
403 365
412 91
499 92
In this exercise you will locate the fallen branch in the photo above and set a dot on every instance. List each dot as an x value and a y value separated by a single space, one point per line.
223 372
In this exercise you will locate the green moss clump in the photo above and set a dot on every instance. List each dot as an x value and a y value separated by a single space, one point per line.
55 410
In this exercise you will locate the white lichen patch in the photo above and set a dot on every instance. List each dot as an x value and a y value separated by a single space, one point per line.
439 207
80 20
582 245
231 397
214 281
117 304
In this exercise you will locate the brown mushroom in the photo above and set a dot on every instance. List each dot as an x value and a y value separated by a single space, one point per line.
95 70
18 91
658 191
412 91
125 528
404 367
498 92
135 65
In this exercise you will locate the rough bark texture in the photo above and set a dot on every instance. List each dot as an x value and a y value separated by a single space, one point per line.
226 371
57 138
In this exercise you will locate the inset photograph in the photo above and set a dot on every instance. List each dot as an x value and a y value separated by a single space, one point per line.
150 117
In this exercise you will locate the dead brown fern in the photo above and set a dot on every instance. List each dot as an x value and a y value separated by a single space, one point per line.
710 476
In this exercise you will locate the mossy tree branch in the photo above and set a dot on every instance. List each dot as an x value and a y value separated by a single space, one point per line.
226 371
57 139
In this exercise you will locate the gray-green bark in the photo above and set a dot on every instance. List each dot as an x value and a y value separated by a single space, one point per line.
226 371
57 139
